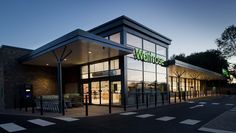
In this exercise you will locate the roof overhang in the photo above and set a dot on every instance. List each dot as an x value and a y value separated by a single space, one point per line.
85 47
186 70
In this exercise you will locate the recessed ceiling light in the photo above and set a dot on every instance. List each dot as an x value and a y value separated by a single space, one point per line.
47 64
65 59
89 52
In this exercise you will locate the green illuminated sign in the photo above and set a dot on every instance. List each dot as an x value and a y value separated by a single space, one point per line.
147 57
225 73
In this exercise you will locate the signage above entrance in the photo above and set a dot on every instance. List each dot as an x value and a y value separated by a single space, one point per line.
141 55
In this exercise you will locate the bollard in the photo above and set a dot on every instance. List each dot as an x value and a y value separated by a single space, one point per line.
63 106
147 100
14 101
162 98
32 105
26 106
175 97
41 105
186 95
180 96
156 99
137 101
86 105
169 97
124 100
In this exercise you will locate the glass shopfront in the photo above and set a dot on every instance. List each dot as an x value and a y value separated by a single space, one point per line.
95 79
144 77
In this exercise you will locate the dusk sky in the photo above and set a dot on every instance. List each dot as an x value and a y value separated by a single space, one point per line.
193 25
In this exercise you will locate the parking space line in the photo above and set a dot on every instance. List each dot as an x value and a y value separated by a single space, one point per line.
12 127
129 113
145 115
196 106
190 122
41 122
165 118
190 102
215 103
202 103
67 119
229 104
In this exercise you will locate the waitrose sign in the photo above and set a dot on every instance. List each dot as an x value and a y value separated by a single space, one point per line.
147 57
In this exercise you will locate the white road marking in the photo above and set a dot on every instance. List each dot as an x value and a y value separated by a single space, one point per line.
144 116
215 103
129 113
68 119
202 103
41 122
190 122
12 127
233 109
196 106
165 118
212 130
190 102
229 104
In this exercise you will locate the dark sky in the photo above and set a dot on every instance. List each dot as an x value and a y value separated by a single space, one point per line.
193 25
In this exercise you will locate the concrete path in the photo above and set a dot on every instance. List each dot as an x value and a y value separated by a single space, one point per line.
225 123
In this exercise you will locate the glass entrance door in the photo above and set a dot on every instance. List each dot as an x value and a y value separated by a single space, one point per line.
100 92
116 92
86 91
95 93
104 92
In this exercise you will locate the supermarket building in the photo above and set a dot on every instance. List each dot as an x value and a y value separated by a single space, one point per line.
109 63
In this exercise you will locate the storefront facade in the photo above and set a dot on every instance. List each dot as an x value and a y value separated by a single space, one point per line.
111 64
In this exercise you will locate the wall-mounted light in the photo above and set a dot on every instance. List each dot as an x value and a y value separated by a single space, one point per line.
47 64
89 52
65 59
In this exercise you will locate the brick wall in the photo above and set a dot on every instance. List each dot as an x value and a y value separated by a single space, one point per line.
16 74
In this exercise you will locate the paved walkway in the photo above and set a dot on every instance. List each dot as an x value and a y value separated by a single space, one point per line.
225 123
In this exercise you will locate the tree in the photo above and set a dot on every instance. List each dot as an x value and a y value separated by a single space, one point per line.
210 59
227 42
180 57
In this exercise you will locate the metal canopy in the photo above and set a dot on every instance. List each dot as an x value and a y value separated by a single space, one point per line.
191 71
86 47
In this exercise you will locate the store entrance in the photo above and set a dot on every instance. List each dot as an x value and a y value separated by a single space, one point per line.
100 92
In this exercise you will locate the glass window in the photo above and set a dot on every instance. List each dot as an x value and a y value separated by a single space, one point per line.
149 87
149 46
149 77
134 64
149 67
84 69
92 68
84 72
115 64
106 37
103 66
161 69
161 50
161 78
84 76
163 58
134 86
134 75
134 40
115 37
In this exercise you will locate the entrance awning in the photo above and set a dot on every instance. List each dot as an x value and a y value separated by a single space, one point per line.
85 47
186 70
